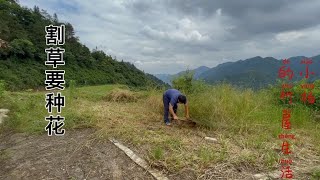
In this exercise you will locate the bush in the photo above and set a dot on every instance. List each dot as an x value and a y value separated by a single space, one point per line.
184 82
188 85
297 92
22 48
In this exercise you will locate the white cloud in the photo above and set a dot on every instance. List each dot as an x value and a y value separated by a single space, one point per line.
169 36
184 31
139 63
185 23
291 36
219 12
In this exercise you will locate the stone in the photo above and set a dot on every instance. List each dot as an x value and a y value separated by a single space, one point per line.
211 139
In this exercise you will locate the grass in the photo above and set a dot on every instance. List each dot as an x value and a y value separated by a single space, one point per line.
4 155
27 109
157 153
246 124
121 95
316 174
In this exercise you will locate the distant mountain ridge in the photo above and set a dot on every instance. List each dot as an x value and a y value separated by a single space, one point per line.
197 72
256 72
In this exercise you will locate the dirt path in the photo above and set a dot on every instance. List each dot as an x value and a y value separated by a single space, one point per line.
77 155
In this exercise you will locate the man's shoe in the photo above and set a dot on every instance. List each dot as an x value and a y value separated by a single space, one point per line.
168 123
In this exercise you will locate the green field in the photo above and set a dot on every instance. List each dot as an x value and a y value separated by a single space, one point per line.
246 123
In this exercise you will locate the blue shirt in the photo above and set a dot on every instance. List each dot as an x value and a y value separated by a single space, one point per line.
172 95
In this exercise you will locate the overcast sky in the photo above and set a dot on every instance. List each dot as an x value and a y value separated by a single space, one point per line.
167 36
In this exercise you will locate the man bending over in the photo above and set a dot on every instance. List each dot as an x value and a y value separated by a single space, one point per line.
171 98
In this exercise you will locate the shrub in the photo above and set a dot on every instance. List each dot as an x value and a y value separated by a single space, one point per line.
22 48
184 82
188 85
297 92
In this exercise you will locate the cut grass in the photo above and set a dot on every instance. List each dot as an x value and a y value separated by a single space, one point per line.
121 95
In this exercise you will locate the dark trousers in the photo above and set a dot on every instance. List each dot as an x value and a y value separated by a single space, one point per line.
166 102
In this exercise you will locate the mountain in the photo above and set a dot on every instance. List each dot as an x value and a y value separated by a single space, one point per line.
167 78
197 72
22 53
164 77
257 72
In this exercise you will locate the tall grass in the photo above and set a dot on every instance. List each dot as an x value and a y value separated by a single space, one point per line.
2 88
225 107
246 111
28 112
297 92
73 91
251 120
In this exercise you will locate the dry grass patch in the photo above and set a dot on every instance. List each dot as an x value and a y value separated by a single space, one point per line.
140 126
122 95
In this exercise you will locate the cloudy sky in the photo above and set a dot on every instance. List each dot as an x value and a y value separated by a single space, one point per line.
167 36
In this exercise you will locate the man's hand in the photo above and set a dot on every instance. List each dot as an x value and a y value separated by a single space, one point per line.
175 117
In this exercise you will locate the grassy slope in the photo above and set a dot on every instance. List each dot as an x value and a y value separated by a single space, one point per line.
245 123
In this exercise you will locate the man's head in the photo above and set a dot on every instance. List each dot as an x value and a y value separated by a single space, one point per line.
182 99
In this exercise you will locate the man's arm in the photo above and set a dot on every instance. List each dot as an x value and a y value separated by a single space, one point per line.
172 112
186 110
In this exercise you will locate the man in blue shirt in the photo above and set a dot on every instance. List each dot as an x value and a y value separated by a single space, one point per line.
171 98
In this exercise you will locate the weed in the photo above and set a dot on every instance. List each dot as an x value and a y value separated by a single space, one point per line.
316 175
206 154
157 153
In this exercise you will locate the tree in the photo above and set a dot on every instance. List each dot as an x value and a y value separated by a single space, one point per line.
13 1
36 10
22 48
55 19
70 34
184 82
98 55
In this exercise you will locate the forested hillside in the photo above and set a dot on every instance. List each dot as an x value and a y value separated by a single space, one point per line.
22 55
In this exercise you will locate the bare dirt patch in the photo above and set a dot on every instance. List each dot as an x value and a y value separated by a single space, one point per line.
77 155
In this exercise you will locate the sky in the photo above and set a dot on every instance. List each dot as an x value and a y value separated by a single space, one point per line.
169 36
